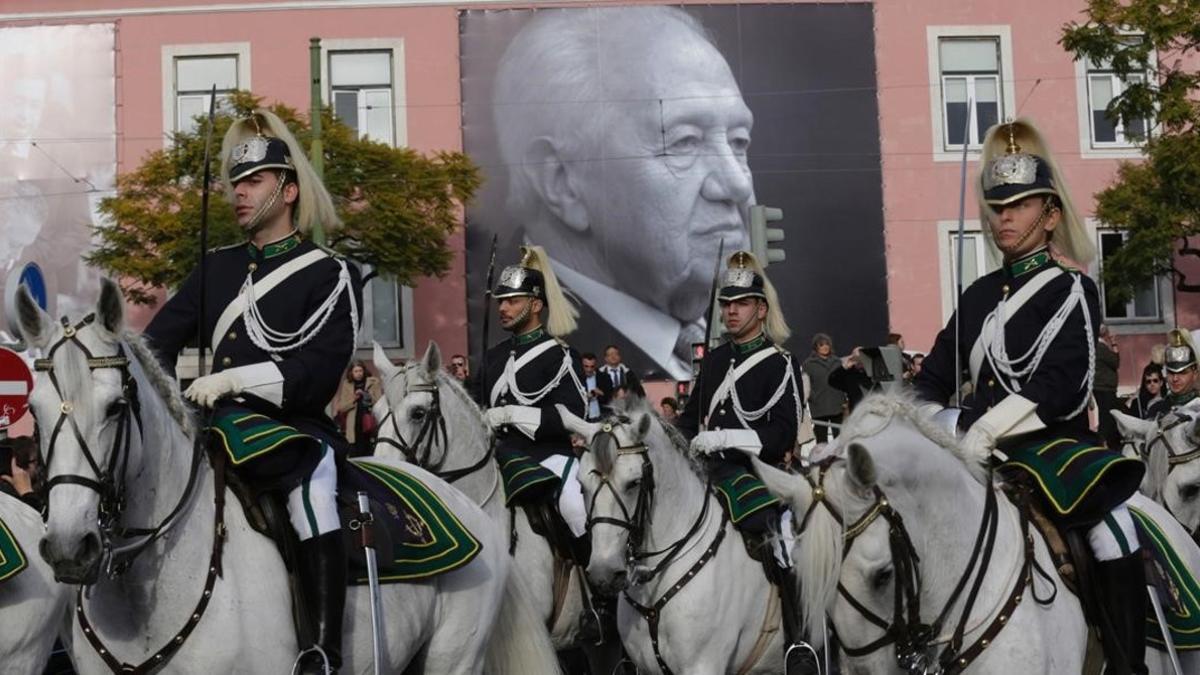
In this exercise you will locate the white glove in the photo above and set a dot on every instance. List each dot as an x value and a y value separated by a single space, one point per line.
1014 416
209 389
525 418
744 440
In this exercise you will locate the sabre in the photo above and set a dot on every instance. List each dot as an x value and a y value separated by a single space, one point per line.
1166 632
201 338
366 528
708 329
962 208
481 377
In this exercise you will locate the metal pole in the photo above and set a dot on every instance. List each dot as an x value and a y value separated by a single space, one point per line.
367 530
316 154
958 282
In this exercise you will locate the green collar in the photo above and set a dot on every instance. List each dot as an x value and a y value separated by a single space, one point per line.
276 247
1180 399
1034 261
751 346
530 337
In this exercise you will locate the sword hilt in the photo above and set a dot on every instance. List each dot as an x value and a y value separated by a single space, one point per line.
365 522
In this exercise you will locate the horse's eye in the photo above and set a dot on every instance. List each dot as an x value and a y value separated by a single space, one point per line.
417 414
1189 492
633 484
114 408
882 578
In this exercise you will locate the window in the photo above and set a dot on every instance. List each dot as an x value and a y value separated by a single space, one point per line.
1103 85
970 74
189 73
361 91
387 316
976 260
1146 304
194 80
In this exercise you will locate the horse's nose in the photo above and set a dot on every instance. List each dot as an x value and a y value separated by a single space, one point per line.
607 579
74 563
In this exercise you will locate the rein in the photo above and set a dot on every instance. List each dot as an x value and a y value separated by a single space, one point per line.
637 523
1174 458
109 482
433 428
912 638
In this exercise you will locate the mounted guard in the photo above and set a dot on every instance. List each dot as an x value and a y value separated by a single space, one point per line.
528 374
746 401
1028 333
282 320
1181 365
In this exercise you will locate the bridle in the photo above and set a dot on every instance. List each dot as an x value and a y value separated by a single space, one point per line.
108 481
637 522
914 639
432 431
1174 458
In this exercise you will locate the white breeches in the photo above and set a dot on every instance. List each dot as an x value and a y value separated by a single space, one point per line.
312 507
570 499
1114 537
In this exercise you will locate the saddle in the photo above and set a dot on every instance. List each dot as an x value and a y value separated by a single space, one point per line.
416 536
1177 589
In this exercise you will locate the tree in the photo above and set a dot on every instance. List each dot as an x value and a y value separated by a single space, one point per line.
1157 200
397 206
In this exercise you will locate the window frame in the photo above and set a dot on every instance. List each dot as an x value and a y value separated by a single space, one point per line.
1088 147
171 53
946 230
1002 34
1163 289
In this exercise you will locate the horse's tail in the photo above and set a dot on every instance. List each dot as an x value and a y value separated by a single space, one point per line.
520 643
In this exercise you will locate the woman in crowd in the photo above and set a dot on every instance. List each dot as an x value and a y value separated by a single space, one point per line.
352 407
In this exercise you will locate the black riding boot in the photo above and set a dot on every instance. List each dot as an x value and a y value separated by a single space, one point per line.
800 656
1124 603
322 573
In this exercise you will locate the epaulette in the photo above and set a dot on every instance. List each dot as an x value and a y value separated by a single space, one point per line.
333 253
561 342
226 247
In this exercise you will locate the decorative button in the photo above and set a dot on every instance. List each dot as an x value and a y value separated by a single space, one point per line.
1004 289
721 411
232 335
226 361
252 266
991 383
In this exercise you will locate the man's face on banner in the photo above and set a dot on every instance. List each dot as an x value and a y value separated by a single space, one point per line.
675 179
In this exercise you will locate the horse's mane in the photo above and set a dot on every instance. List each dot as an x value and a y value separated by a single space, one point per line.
877 410
164 384
442 378
623 410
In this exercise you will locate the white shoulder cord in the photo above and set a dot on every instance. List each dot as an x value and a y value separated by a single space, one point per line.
1009 369
530 398
746 416
274 341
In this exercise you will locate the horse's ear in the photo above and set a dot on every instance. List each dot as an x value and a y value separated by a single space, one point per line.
1132 427
383 364
860 468
35 323
576 424
433 358
110 309
789 487
643 426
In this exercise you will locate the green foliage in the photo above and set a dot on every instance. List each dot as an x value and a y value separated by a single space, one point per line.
398 206
1158 199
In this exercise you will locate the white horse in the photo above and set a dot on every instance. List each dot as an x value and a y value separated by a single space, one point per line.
214 611
660 536
424 406
33 607
892 522
1170 447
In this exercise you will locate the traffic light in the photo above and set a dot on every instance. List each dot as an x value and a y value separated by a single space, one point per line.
761 236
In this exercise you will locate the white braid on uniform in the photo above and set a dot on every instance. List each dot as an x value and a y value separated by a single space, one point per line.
270 340
1009 371
746 416
530 398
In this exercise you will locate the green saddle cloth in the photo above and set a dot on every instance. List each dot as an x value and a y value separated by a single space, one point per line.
1179 590
427 539
743 494
525 479
1067 470
246 434
12 558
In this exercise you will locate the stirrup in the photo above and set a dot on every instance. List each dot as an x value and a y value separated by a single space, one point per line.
803 647
320 652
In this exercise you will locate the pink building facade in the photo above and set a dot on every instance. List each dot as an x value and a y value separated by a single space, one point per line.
930 57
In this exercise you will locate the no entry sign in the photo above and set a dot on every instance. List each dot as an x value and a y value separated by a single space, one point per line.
15 384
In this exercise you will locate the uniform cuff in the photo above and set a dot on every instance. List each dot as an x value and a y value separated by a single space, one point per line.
263 380
744 440
526 419
1014 416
